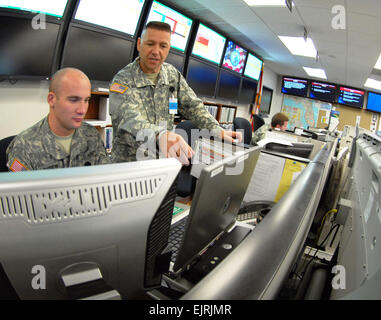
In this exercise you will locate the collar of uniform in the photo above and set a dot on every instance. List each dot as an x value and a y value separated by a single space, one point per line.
142 81
49 142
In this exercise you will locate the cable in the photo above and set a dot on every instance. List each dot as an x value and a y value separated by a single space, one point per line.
322 222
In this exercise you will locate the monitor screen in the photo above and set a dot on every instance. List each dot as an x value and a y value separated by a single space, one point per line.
202 77
248 91
180 24
208 44
323 91
267 95
351 97
253 67
297 87
98 62
53 8
114 218
228 86
118 15
374 102
235 57
24 51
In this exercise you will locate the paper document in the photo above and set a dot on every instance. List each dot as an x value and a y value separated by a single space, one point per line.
265 179
208 152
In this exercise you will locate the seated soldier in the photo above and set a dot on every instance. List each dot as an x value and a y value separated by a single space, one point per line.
60 140
278 122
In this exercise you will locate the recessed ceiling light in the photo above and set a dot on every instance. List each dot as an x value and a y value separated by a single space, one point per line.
371 83
299 47
378 63
266 2
315 72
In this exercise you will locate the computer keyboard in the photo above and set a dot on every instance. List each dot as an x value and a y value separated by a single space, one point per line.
175 236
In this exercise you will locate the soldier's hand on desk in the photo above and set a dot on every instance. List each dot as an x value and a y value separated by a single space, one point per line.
174 146
231 136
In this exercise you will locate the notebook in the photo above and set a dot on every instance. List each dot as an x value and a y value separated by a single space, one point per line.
216 202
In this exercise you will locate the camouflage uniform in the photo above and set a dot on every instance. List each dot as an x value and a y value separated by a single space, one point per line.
260 133
36 148
142 105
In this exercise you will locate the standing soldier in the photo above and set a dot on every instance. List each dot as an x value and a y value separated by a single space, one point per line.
145 95
60 140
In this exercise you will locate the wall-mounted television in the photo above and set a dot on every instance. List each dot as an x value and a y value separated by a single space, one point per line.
54 8
374 102
248 91
98 54
351 97
234 58
295 86
180 24
26 52
323 91
208 44
202 77
228 85
253 67
117 15
266 98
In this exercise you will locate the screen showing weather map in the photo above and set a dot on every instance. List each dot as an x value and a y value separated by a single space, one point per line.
253 67
180 24
209 44
118 15
235 57
53 8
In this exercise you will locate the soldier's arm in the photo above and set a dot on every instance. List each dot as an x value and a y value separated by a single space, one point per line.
18 157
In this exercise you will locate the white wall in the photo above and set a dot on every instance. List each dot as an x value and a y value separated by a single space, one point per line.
22 105
273 81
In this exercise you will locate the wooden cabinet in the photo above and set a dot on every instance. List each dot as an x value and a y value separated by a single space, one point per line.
98 115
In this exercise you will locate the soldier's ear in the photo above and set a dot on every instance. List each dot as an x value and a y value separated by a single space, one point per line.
138 44
51 99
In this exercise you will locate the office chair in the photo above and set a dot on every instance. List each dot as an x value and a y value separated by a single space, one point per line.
258 122
245 125
4 143
186 183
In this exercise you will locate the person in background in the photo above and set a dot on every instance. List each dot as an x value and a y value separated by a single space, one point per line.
278 122
144 97
61 139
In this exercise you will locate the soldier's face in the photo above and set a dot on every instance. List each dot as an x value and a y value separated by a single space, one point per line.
69 106
153 49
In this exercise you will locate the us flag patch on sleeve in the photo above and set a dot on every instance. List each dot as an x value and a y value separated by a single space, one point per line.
17 166
117 87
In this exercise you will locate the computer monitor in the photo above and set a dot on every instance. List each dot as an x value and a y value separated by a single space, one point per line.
374 102
180 24
208 44
202 77
119 15
54 8
26 52
235 57
228 85
114 217
295 86
82 51
351 97
253 67
266 99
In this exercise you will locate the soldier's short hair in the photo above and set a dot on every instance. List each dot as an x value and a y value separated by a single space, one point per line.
278 119
158 25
